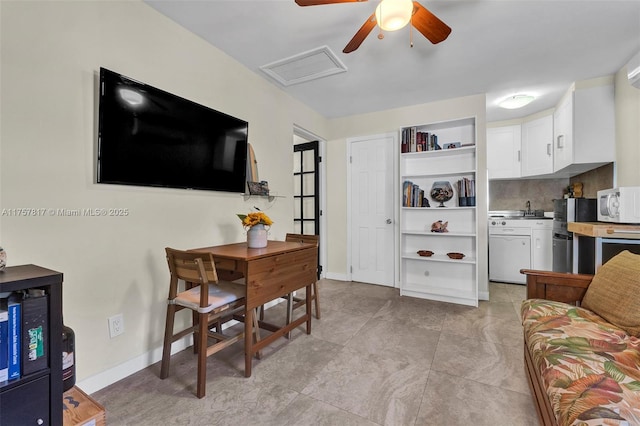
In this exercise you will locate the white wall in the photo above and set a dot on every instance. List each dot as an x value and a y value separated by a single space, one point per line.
627 99
51 55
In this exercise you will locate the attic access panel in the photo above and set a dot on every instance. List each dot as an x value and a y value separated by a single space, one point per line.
305 66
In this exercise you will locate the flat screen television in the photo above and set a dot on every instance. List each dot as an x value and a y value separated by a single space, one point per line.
149 137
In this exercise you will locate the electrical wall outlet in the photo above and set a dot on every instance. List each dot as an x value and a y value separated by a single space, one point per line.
116 325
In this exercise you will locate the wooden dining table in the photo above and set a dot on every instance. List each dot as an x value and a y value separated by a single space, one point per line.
269 273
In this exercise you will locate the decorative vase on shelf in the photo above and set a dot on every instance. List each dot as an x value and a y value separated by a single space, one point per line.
257 236
441 191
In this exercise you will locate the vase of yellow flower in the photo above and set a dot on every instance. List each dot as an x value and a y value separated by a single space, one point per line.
257 236
256 224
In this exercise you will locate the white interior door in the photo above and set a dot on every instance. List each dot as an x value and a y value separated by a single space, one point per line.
371 207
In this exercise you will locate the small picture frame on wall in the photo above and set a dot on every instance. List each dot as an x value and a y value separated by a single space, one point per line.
259 188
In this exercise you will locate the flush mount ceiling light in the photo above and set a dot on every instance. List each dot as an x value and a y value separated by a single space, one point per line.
394 14
516 101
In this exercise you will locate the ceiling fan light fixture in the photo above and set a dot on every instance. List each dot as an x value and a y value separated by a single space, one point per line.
392 15
516 101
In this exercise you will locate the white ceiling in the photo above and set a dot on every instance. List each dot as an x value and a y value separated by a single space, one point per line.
497 47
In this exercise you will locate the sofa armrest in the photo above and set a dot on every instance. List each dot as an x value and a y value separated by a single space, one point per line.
557 286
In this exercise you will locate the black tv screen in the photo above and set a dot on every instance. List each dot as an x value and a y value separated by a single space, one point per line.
149 137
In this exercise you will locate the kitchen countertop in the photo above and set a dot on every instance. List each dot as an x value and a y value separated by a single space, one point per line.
605 230
520 214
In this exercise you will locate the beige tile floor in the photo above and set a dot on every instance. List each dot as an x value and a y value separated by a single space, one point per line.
374 358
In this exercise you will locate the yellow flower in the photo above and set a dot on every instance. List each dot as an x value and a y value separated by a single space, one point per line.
254 218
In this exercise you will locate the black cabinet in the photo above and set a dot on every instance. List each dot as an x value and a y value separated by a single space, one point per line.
26 404
36 397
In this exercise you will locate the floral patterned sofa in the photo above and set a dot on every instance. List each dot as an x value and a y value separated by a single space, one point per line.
582 344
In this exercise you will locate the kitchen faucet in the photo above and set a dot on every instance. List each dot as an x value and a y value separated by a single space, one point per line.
528 212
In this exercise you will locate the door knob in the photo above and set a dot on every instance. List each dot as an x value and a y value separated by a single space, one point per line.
389 221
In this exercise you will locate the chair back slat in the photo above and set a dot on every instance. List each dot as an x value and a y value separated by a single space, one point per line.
309 239
184 266
191 267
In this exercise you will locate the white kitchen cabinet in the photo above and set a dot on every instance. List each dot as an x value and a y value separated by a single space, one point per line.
563 133
584 127
504 151
542 248
439 277
537 146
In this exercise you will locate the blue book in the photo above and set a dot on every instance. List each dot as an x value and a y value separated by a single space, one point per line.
4 345
13 308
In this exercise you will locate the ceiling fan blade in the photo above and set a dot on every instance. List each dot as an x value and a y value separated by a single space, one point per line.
362 33
319 2
429 24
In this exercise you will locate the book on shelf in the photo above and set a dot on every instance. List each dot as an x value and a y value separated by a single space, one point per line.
466 187
15 323
434 143
413 196
4 345
423 138
413 140
11 305
406 193
34 334
466 192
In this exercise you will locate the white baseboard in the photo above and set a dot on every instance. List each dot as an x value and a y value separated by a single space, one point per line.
483 295
119 372
108 377
335 276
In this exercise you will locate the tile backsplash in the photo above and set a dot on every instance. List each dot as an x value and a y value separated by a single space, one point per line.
514 194
595 180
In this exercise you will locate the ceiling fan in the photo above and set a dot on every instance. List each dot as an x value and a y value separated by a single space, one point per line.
391 15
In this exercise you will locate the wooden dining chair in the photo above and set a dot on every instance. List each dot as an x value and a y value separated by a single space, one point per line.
212 302
296 302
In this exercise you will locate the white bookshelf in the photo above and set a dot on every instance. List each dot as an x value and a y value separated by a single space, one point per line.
439 277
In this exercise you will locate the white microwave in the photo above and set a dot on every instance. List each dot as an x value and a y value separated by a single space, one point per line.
619 205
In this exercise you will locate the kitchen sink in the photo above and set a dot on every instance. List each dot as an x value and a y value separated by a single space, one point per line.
518 214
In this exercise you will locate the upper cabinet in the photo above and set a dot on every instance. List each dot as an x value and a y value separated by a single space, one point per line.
563 133
537 146
503 151
584 129
575 137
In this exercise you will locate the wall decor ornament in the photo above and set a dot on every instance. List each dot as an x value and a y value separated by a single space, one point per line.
439 226
441 191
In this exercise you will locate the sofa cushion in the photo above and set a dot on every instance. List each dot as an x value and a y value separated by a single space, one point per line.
590 368
614 292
